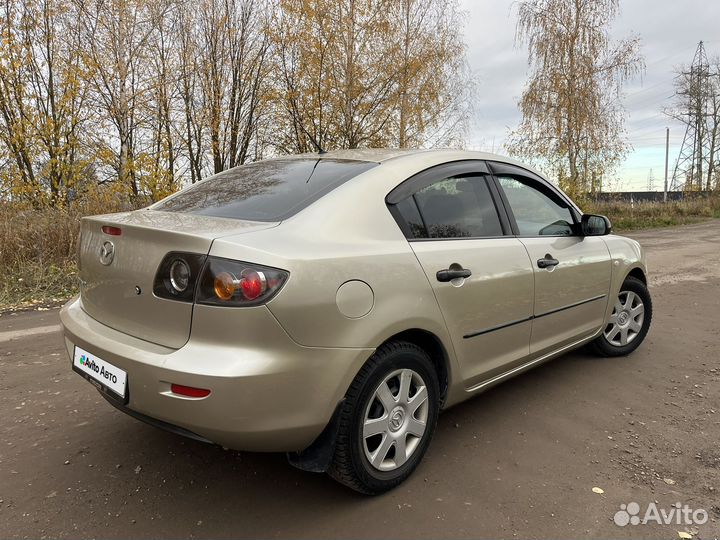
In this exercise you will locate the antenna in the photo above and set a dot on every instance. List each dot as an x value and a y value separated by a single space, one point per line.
316 144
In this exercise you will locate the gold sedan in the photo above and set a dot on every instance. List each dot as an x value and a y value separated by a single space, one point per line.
329 306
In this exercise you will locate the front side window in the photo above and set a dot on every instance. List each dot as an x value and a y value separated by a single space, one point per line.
536 213
456 207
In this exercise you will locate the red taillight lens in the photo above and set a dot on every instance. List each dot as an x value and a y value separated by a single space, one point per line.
252 284
112 231
189 391
237 283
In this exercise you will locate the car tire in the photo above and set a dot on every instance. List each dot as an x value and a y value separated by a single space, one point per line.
371 462
629 322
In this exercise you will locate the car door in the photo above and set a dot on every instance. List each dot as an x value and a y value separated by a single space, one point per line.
572 272
481 275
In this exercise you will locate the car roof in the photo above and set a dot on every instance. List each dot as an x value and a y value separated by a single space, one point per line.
432 156
381 155
436 155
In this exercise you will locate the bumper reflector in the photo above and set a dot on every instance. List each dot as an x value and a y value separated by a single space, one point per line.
189 391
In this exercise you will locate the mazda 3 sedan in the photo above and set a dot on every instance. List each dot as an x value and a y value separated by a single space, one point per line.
329 306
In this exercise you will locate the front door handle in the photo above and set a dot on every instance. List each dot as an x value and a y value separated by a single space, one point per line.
448 275
547 261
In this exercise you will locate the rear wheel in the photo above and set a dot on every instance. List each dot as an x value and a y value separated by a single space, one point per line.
629 322
387 419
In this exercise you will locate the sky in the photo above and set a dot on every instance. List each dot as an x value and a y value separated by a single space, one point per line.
669 31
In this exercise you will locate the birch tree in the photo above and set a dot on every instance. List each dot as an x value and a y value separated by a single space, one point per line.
434 88
572 117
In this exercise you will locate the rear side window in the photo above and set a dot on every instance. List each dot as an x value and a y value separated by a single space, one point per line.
411 215
265 191
457 207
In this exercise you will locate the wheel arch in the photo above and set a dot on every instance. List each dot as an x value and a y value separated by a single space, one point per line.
317 457
637 273
435 348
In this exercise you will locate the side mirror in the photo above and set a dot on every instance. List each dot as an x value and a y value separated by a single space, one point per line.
594 225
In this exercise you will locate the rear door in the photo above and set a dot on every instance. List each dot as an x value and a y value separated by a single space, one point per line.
481 276
572 272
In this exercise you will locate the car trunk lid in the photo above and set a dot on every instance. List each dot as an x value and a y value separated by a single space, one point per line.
117 288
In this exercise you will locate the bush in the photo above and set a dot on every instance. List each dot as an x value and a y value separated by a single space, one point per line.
38 249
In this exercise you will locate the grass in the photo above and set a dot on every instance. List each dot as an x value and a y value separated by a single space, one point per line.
38 248
646 215
38 251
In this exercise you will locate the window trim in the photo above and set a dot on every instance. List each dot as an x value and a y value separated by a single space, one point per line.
409 187
541 185
429 176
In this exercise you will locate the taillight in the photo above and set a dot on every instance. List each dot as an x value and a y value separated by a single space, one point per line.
235 283
177 276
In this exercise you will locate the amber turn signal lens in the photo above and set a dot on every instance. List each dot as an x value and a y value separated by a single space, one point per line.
224 286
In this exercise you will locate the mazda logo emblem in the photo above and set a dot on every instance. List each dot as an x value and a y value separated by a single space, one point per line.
396 419
107 253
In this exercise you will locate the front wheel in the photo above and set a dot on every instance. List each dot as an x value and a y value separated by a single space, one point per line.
629 322
387 419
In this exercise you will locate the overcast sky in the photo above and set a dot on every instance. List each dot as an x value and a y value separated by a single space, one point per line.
669 30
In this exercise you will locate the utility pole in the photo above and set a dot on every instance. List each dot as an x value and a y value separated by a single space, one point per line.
667 151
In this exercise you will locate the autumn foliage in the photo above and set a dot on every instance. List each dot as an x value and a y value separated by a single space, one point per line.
140 97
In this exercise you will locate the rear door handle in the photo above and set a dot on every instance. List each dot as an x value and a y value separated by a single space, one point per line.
448 275
547 261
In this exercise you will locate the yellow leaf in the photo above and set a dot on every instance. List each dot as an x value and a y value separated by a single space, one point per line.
683 534
598 490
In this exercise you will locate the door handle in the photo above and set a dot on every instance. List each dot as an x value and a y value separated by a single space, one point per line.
448 275
547 261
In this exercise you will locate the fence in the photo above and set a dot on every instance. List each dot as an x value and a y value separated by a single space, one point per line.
646 196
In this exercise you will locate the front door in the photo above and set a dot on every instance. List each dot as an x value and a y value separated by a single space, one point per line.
572 272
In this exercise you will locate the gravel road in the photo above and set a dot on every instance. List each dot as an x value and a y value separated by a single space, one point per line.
520 460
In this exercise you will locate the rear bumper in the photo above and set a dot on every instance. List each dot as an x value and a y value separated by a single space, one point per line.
268 392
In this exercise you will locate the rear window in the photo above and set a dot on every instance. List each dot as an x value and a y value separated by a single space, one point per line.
264 191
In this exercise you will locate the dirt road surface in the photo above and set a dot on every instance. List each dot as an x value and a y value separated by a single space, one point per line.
518 461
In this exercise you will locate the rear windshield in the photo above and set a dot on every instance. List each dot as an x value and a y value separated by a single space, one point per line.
264 191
